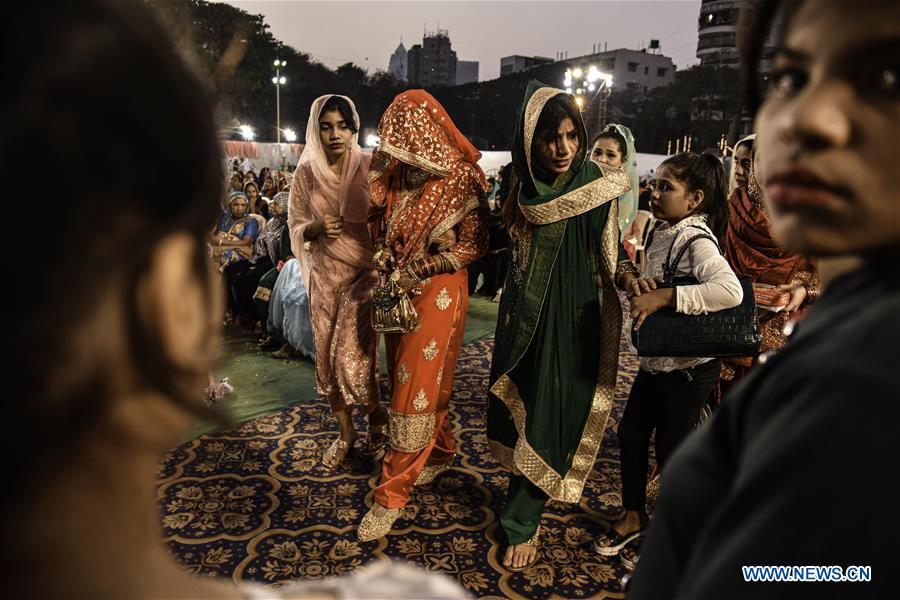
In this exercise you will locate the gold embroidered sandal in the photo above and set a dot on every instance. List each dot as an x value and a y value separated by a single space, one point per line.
374 527
533 542
430 472
334 456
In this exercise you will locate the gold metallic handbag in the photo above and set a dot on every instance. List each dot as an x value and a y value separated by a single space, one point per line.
392 309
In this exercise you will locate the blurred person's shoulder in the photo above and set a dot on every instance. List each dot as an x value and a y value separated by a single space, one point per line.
374 581
842 360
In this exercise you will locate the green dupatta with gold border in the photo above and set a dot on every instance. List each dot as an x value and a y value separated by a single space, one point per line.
556 351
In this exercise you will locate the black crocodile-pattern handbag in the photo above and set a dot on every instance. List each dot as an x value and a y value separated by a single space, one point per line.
724 333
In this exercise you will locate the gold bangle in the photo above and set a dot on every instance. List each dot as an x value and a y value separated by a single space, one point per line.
625 267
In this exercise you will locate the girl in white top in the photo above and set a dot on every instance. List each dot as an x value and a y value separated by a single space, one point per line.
669 393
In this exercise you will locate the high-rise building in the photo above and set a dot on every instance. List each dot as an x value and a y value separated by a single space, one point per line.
466 71
397 65
718 27
433 62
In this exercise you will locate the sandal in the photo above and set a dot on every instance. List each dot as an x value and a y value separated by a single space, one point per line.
377 435
430 472
535 542
269 343
334 456
374 527
615 542
286 351
630 555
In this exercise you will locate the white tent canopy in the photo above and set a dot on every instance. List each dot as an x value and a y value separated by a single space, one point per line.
492 162
262 155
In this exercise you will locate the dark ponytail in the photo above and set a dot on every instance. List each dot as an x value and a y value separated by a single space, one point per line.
704 172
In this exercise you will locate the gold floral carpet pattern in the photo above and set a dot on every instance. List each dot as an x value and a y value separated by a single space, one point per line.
256 503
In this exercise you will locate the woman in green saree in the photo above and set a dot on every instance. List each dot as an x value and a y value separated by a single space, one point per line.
557 341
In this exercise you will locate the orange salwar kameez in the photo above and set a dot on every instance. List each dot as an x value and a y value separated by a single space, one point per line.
428 215
423 364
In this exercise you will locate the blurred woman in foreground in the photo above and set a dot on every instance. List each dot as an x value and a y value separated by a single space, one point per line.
127 326
796 467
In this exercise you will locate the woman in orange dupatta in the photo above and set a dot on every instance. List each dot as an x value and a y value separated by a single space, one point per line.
428 222
328 208
752 252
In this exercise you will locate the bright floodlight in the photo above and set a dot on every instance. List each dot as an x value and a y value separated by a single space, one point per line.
246 132
282 81
284 63
372 140
568 90
579 101
290 135
275 80
277 63
577 73
591 87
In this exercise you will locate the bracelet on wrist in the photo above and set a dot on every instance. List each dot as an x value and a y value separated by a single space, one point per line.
626 267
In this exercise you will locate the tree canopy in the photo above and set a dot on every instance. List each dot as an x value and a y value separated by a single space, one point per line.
236 51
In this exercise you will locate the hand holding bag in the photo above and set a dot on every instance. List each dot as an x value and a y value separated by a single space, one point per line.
726 333
392 308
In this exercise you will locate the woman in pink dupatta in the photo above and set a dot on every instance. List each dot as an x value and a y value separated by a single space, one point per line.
328 206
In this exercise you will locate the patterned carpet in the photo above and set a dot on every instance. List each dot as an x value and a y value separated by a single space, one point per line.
255 503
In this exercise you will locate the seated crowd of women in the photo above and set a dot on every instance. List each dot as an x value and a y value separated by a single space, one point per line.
263 283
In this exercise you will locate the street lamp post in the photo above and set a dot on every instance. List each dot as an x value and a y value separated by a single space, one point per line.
278 80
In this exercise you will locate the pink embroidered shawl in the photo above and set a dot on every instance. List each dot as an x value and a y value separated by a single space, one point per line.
317 191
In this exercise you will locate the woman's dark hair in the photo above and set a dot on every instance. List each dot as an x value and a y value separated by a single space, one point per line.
555 111
342 106
757 25
644 200
506 175
612 134
704 172
714 151
105 85
513 220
